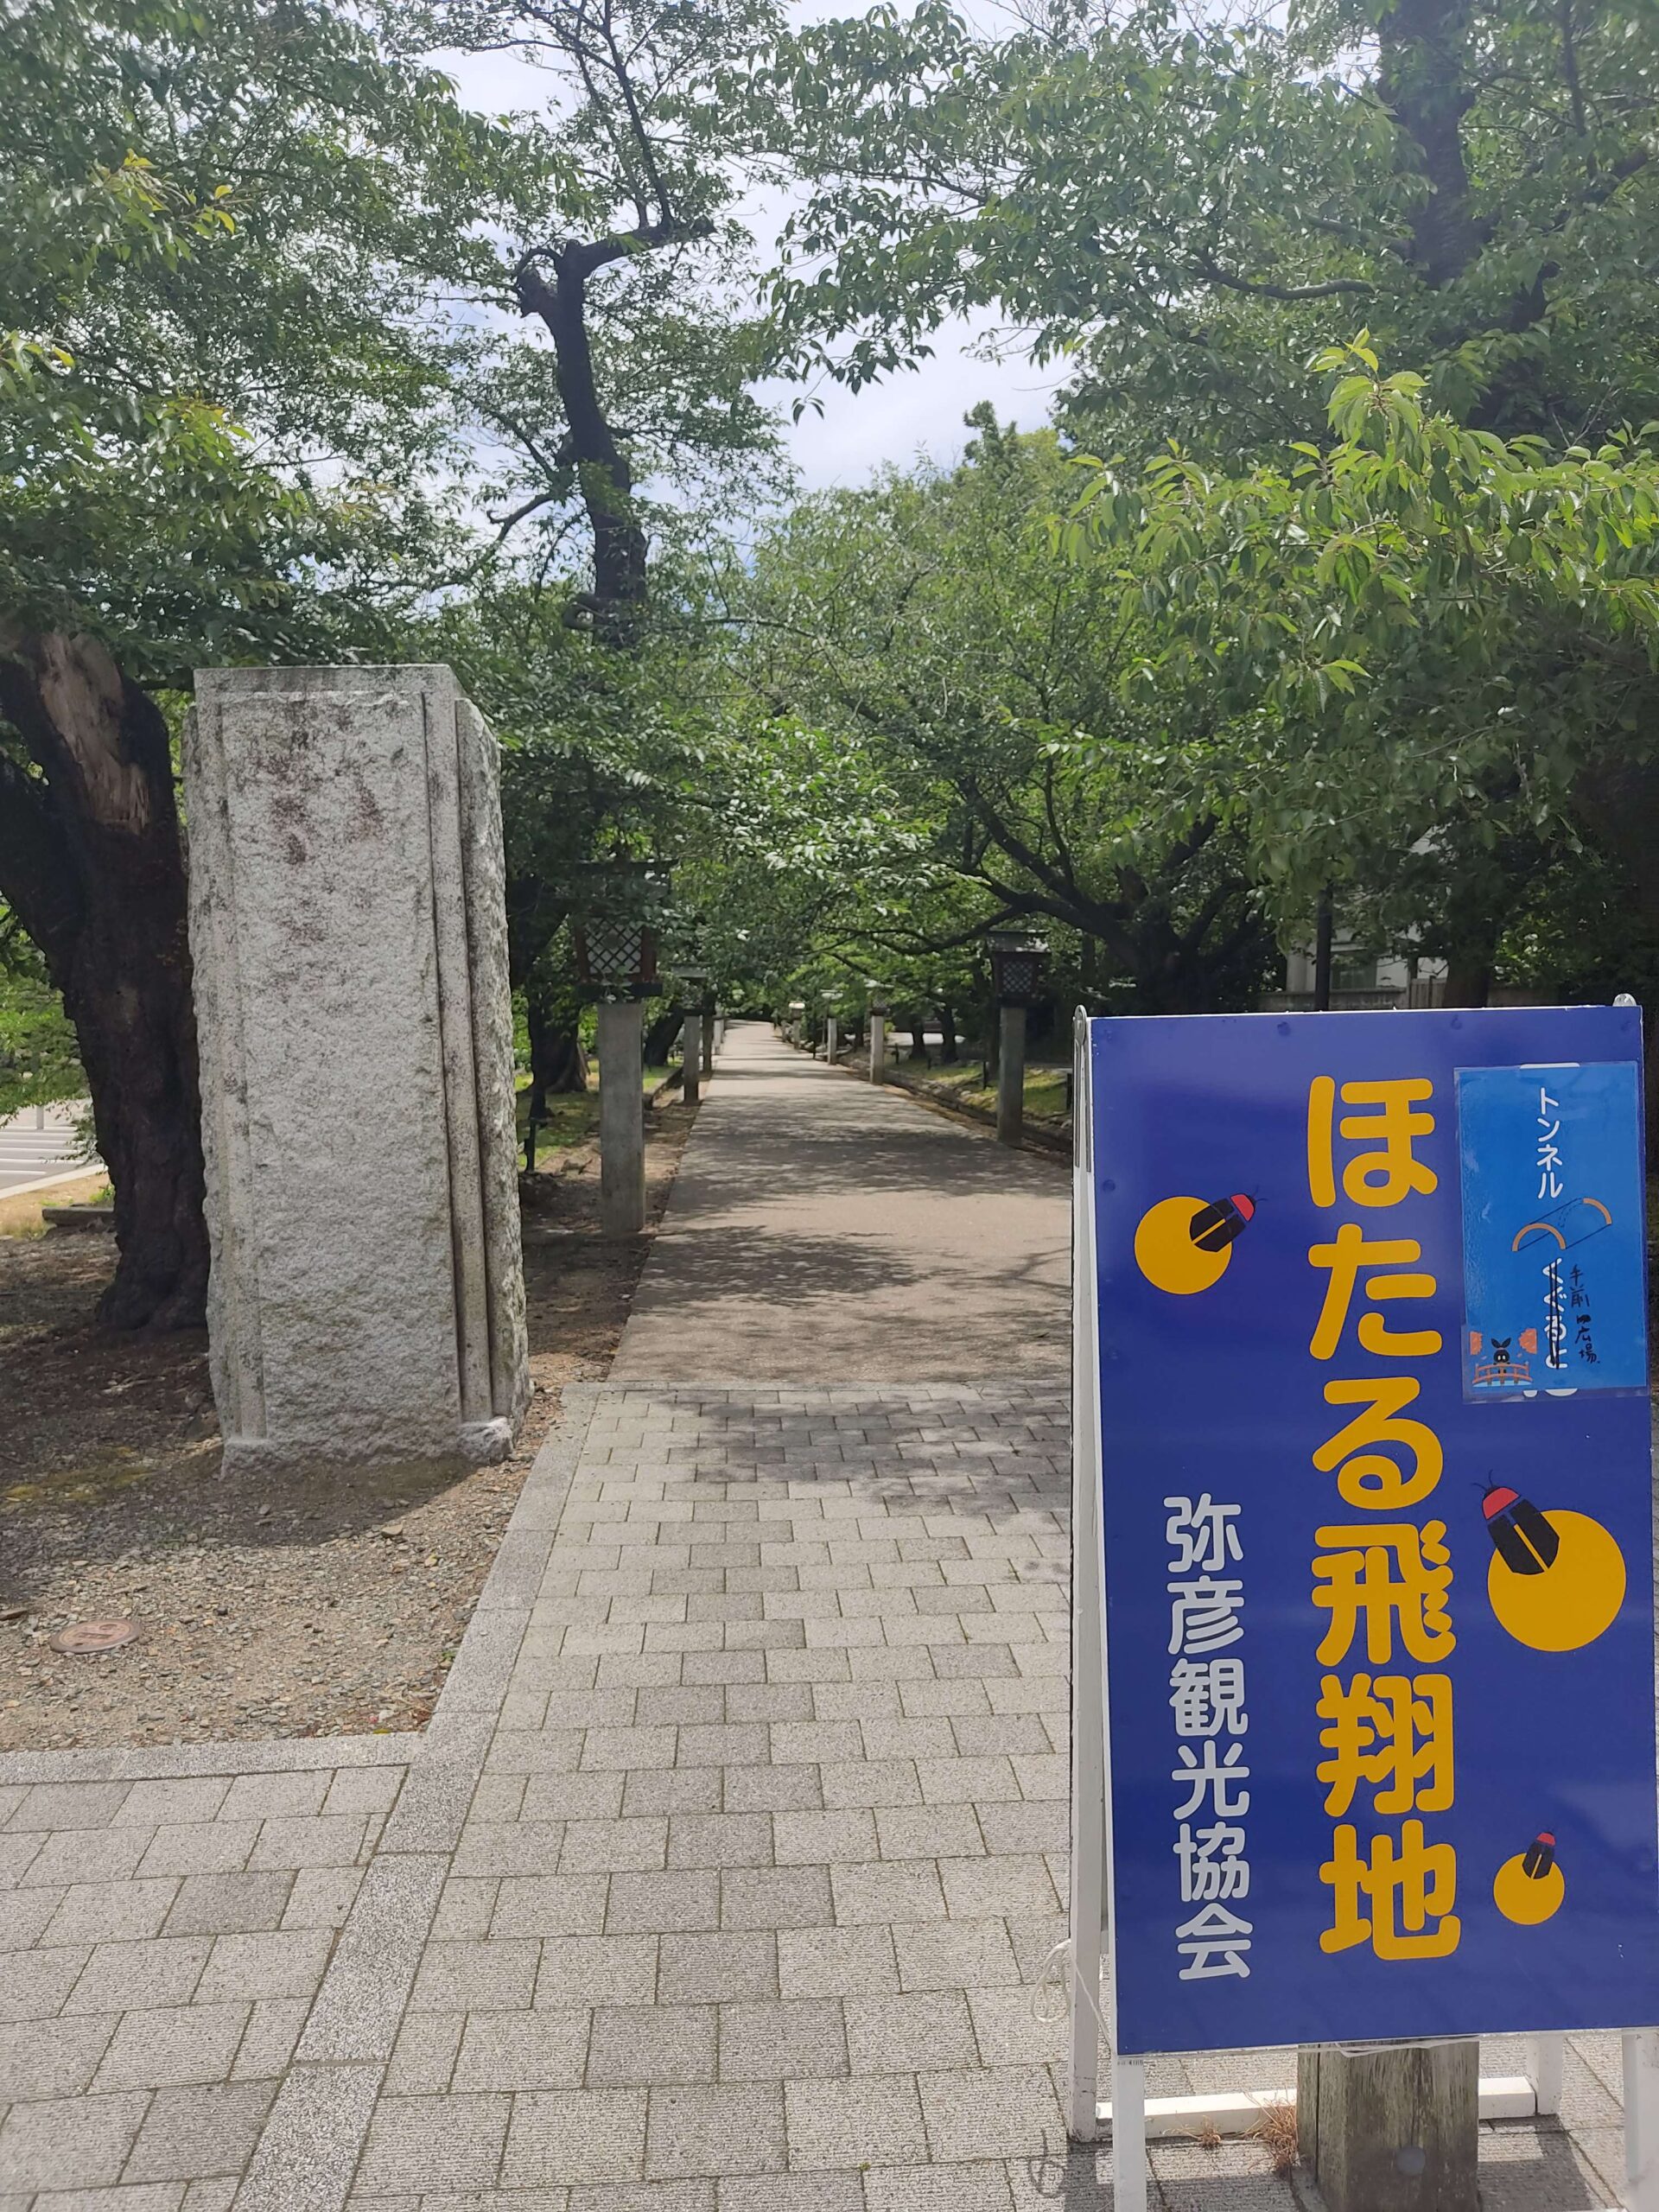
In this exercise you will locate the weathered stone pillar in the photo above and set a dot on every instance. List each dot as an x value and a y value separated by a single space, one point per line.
348 932
691 1059
622 1117
878 1044
1011 1076
710 1020
831 1040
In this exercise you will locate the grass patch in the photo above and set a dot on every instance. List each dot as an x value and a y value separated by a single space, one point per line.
22 1217
965 1080
572 1116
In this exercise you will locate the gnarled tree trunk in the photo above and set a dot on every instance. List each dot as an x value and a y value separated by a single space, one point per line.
92 861
590 444
660 1034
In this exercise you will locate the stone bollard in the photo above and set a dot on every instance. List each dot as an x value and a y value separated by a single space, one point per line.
1011 1076
348 933
831 1041
878 1046
691 1059
622 1117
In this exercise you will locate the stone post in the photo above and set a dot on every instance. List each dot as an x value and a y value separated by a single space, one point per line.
831 1040
1391 2130
622 1117
691 1059
1011 1076
348 934
878 1044
708 1037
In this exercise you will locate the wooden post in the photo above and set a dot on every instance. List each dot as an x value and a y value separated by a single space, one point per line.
691 1058
1391 2130
621 1118
1011 1076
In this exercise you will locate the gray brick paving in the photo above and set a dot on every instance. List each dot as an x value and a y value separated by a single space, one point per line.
725 1881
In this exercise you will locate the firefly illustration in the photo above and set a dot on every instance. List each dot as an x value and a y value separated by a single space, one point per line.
1182 1245
1520 1534
1556 1580
1222 1221
1528 1888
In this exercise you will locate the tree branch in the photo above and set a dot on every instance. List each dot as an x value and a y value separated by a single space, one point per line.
1331 290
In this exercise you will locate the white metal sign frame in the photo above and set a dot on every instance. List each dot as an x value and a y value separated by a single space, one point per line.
1129 2114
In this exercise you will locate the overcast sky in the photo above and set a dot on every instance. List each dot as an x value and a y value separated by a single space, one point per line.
892 421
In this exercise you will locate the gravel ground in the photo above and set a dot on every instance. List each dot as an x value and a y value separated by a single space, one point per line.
328 1607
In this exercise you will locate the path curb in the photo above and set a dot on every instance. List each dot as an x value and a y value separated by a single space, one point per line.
170 1762
308 2149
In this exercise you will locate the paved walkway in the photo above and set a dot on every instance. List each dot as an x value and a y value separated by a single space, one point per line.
825 1230
728 1874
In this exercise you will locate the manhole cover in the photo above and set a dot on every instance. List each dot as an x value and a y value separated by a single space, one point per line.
93 1636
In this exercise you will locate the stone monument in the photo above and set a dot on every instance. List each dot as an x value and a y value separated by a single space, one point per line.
348 930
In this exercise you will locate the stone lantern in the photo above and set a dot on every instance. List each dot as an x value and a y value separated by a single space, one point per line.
1019 964
615 936
877 993
616 946
690 991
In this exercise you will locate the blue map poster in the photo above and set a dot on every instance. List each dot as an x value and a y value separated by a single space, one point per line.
1379 1649
1554 1221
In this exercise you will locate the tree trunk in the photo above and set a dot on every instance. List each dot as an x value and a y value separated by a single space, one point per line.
947 1035
535 913
558 1064
1423 79
919 1034
660 1035
1620 801
91 862
1325 942
1471 964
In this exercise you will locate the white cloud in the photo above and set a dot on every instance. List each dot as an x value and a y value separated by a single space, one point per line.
920 411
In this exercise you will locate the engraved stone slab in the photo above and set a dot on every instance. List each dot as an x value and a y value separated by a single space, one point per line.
348 930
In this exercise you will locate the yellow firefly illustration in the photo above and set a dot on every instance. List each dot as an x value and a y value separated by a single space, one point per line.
1528 1888
1182 1245
1557 1580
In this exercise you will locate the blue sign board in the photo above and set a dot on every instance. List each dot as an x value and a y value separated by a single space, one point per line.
1553 1220
1379 1632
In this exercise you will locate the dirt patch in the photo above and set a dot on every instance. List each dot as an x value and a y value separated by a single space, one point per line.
326 1607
